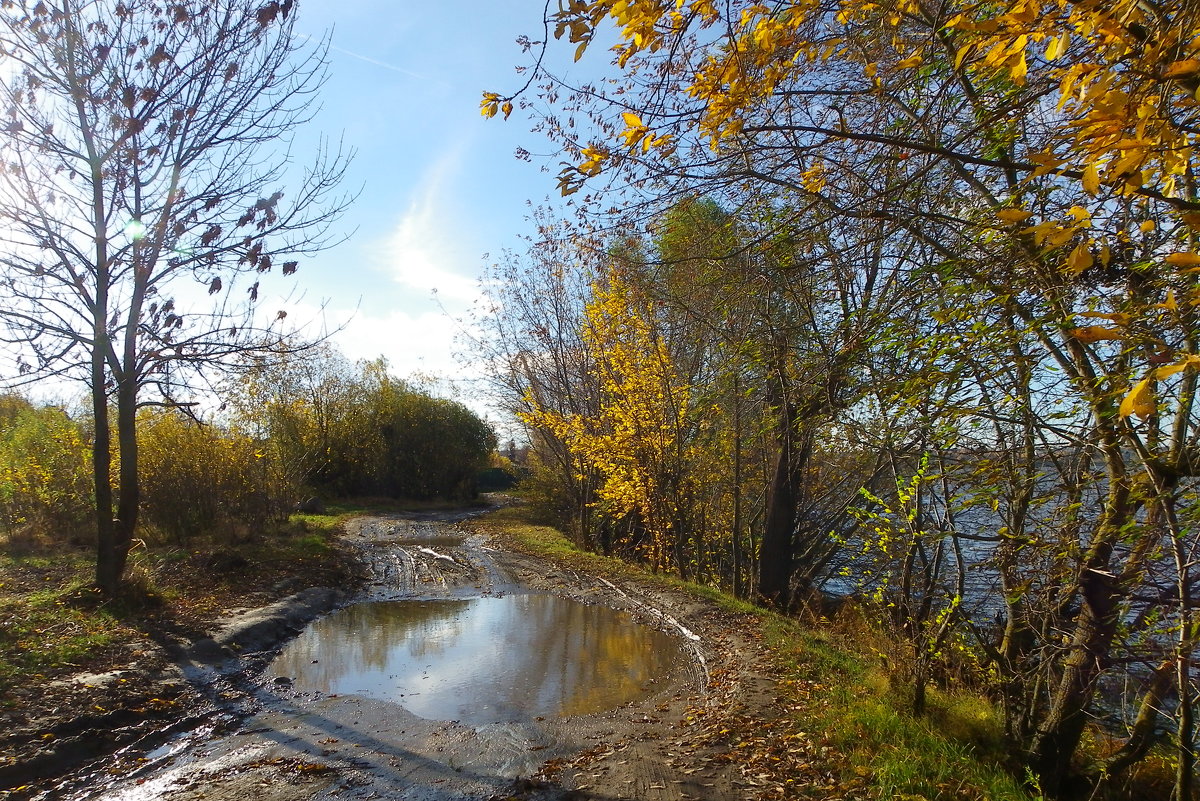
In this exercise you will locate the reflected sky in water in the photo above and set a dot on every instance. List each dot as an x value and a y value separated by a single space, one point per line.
483 660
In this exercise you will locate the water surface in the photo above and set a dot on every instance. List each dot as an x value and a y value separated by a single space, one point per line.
483 660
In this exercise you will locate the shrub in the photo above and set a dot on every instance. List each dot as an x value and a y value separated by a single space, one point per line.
45 474
199 479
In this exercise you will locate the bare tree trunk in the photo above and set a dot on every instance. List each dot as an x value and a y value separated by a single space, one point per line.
108 571
1058 736
739 590
129 490
1142 735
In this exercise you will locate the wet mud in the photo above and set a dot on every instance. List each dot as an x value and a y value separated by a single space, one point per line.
281 728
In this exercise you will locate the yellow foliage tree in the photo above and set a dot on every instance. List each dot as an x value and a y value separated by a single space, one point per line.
44 477
1037 159
1126 74
1123 79
637 439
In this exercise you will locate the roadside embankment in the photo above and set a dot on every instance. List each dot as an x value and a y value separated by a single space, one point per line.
798 708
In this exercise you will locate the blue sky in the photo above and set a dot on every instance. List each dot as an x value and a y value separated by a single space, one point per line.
440 186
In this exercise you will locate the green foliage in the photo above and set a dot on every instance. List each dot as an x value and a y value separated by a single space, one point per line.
354 430
496 479
45 479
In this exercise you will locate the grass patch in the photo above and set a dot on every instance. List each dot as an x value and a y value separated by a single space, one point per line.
48 632
550 543
53 623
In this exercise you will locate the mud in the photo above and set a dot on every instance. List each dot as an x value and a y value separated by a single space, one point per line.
269 738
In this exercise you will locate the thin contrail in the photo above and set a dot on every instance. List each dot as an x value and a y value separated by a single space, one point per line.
370 60
379 63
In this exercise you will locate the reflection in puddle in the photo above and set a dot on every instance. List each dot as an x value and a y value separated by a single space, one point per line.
484 660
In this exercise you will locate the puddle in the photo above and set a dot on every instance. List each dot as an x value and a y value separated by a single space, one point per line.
483 660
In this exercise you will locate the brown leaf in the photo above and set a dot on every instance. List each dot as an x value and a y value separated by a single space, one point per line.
266 15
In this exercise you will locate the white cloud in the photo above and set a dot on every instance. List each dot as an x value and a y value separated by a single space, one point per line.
412 343
419 347
431 247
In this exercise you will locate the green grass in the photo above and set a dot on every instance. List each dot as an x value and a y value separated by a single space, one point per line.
46 633
550 543
52 623
834 680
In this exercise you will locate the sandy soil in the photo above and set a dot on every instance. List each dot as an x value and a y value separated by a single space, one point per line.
252 734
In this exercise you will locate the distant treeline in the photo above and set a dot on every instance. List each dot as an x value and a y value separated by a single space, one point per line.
313 425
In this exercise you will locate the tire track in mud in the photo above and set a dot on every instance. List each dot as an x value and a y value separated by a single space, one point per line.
293 745
411 558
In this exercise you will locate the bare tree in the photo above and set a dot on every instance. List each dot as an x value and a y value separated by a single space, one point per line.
143 149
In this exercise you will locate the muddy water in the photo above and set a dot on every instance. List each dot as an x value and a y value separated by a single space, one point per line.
482 660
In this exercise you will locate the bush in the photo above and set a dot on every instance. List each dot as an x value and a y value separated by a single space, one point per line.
198 479
356 431
45 473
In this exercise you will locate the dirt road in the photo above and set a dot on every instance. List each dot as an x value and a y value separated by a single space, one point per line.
269 739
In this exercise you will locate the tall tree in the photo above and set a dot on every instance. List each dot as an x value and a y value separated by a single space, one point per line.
1036 161
142 167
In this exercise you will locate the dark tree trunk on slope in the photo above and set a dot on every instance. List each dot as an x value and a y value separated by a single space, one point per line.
108 567
776 562
1058 736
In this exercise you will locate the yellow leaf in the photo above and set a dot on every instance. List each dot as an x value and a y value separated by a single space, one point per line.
1057 46
910 62
1146 226
1183 259
1168 370
1120 318
1080 259
632 120
1169 304
1139 401
506 107
1091 179
1019 69
1182 69
1013 216
1055 237
1047 162
1097 333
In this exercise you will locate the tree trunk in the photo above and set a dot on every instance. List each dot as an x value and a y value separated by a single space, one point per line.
1058 736
129 491
776 562
108 567
736 540
108 571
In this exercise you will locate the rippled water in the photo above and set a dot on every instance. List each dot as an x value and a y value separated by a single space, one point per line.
483 660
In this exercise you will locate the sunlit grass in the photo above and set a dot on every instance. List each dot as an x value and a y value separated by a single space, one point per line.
45 633
53 623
